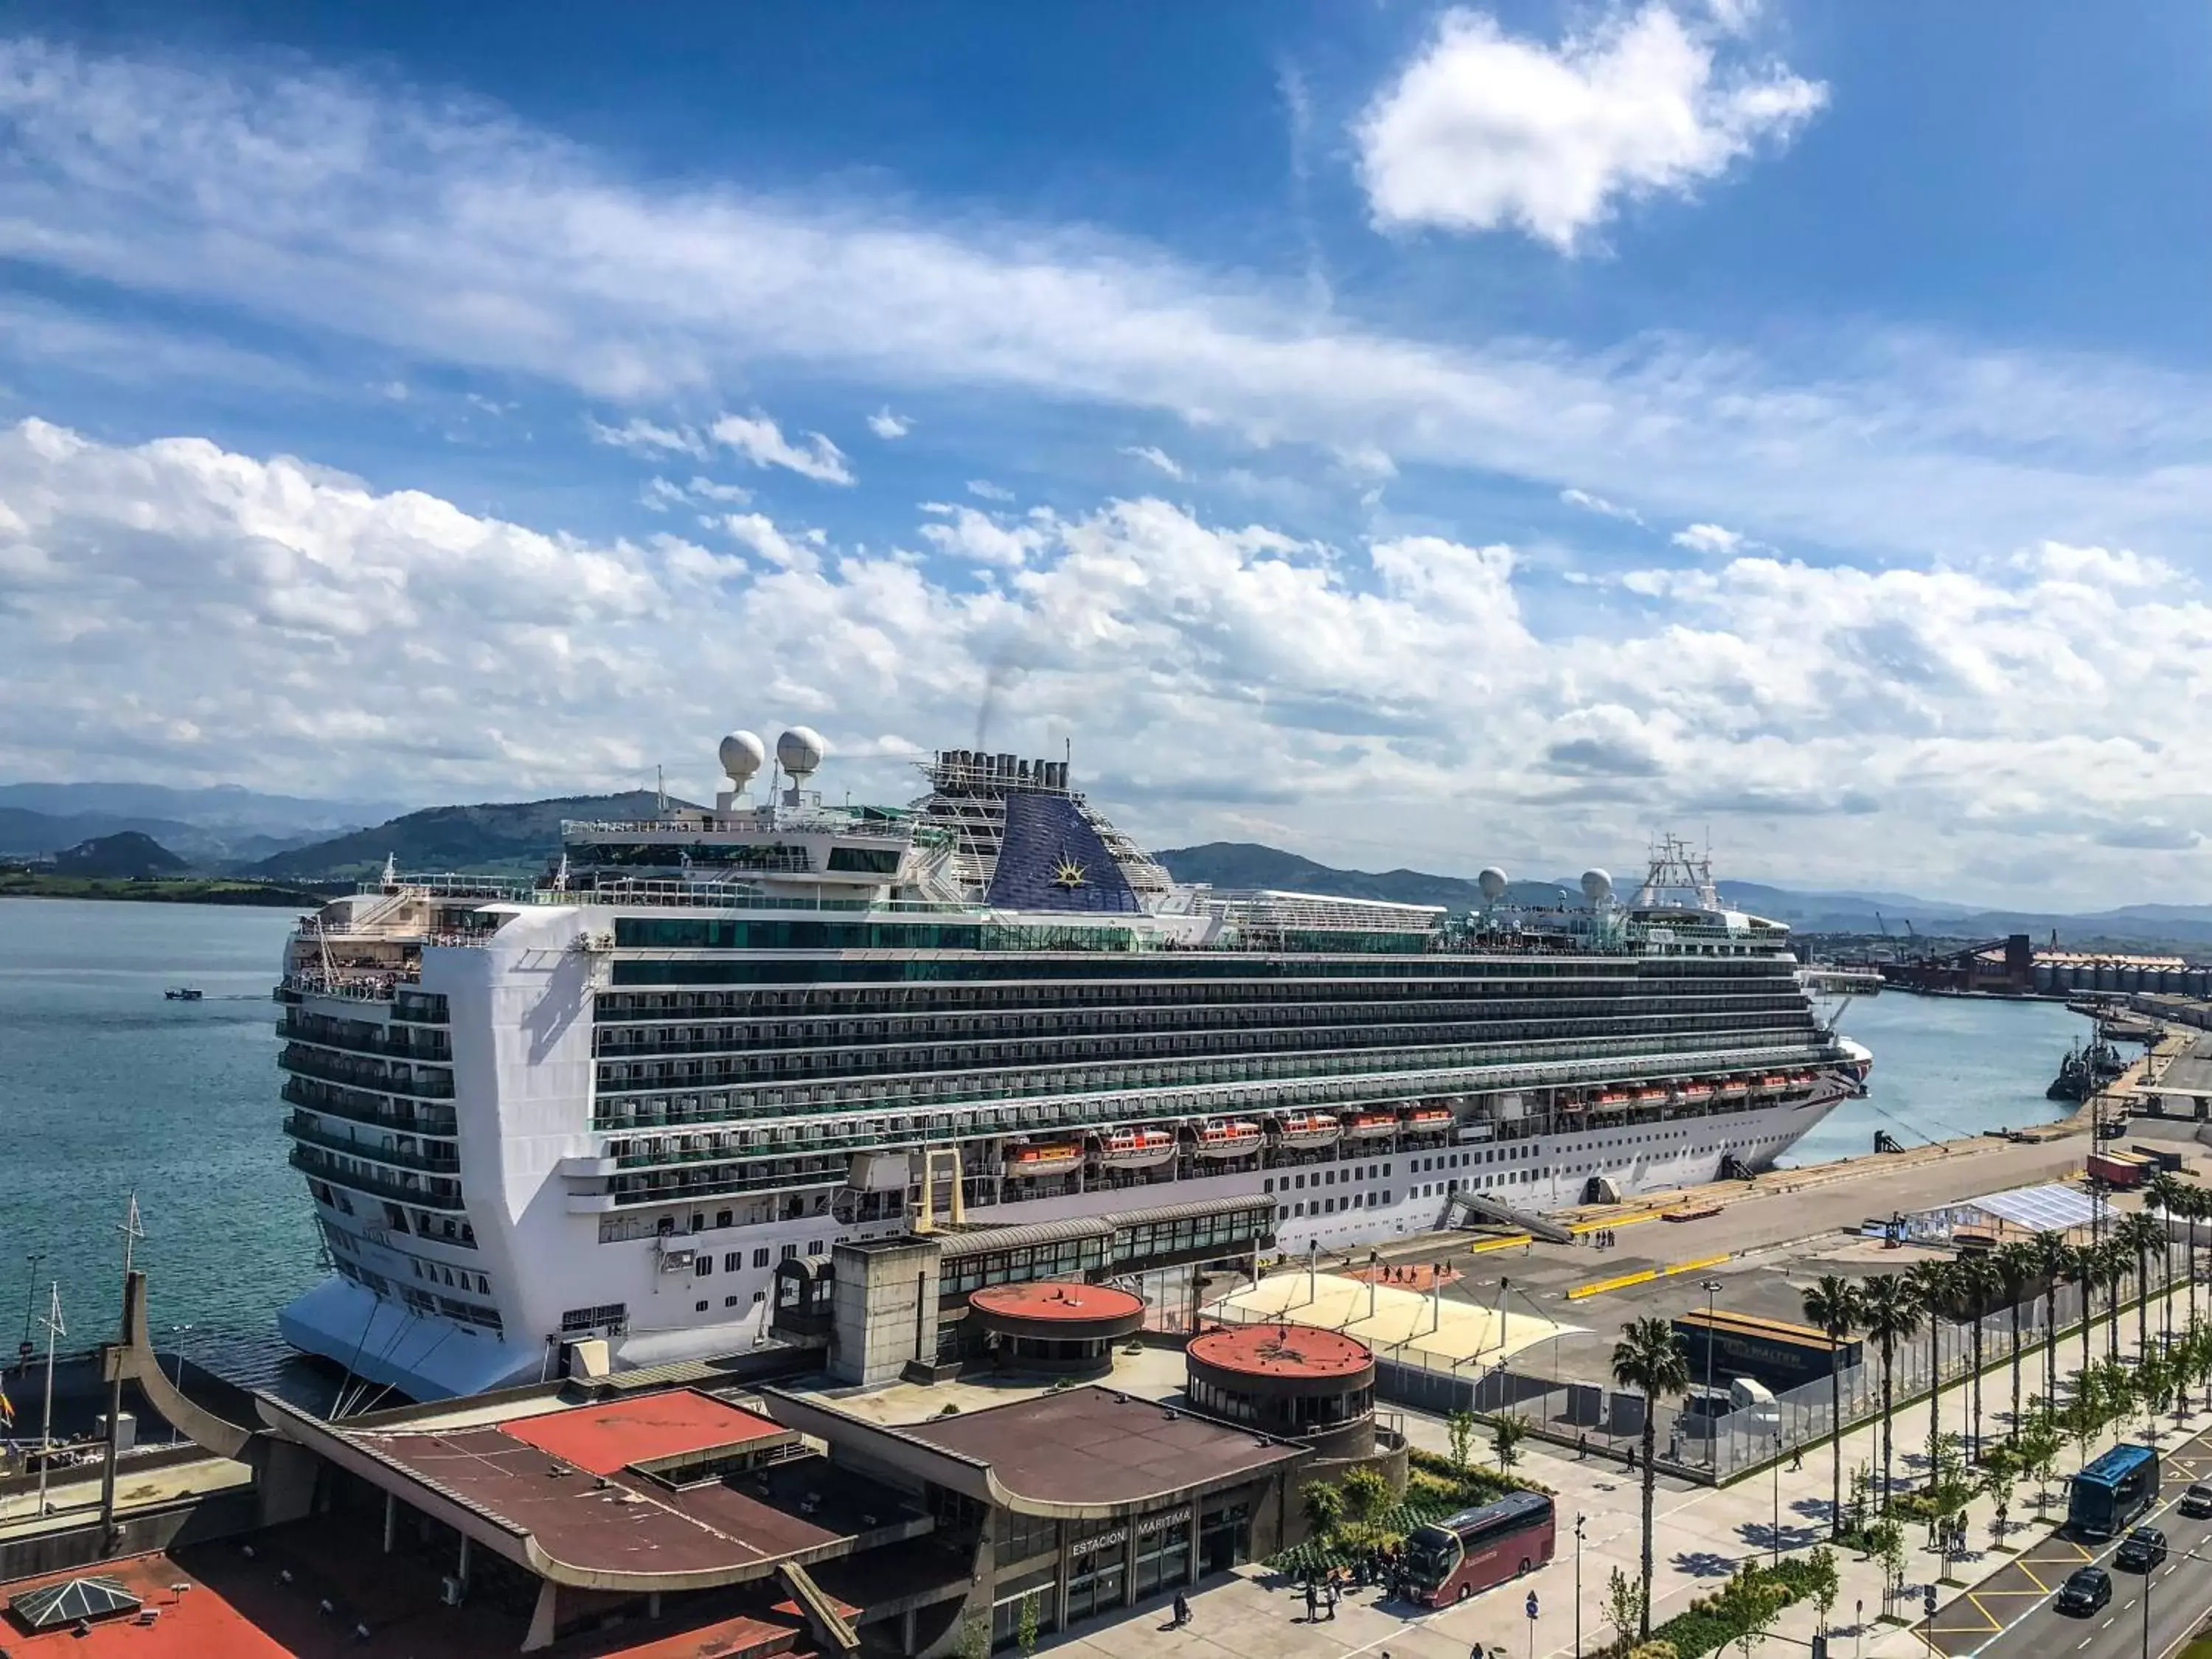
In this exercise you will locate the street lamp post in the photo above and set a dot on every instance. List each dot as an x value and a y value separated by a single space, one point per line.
1578 1586
1777 1486
1711 1288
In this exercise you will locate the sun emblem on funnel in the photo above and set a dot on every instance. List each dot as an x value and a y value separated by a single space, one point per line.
1068 873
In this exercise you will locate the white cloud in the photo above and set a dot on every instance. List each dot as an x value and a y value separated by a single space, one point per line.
988 491
887 426
642 437
1598 504
969 534
1485 130
180 611
760 441
449 233
660 494
1712 539
1153 457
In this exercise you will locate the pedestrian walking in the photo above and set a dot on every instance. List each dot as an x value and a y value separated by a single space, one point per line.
1332 1598
1312 1596
1182 1610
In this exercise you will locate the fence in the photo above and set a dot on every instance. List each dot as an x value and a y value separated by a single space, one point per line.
1610 1421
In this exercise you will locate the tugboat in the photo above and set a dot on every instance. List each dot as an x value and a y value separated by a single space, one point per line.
2083 1069
183 994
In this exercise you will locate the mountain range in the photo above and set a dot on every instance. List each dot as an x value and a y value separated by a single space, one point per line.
289 839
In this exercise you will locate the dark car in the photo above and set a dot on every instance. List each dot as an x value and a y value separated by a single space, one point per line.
2086 1589
2197 1502
2144 1548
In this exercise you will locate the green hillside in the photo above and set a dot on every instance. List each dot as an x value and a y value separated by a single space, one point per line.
493 838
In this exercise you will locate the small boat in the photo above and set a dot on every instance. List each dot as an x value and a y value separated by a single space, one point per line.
1734 1088
1135 1149
1371 1126
1235 1139
1308 1129
1044 1158
1429 1120
1695 1091
184 993
1649 1096
1612 1098
1772 1081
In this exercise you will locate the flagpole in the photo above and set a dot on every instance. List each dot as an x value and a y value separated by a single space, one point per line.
54 1329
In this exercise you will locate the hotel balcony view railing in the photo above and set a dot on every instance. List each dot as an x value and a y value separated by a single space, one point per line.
330 1100
367 1073
430 1160
434 1194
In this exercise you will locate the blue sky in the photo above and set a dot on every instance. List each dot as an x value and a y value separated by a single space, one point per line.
1407 434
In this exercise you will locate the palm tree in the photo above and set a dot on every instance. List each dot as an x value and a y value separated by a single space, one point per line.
1833 1305
2113 1257
1651 1359
2190 1204
1932 1288
1888 1314
2016 1265
2054 1265
2139 1234
2169 1195
1978 1283
2087 1269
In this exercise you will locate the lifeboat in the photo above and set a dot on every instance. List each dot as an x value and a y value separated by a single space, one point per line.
1801 1079
1772 1081
1371 1126
1694 1091
1429 1120
1649 1096
1611 1099
1044 1158
1308 1129
1231 1140
1734 1088
1135 1149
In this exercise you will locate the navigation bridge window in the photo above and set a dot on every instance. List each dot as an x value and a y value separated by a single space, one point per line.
700 934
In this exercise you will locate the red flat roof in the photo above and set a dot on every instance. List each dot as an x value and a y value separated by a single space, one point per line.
1281 1351
617 1433
1050 1299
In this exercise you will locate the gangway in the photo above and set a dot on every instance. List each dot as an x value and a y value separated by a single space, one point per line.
1483 1209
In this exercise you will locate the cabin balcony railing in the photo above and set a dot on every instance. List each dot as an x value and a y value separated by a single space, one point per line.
430 1048
432 1194
430 1161
365 1074
327 1100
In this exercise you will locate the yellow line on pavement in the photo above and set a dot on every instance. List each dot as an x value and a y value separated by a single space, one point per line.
1693 1266
1602 1223
1598 1287
1510 1241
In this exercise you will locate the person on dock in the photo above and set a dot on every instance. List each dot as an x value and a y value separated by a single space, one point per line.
1182 1610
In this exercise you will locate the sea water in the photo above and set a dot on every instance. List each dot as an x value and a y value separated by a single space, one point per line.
107 1090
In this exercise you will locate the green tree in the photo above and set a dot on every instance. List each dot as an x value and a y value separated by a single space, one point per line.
1324 1507
975 1637
1832 1304
1506 1434
1650 1359
1753 1602
1824 1581
1627 1605
1888 1314
1366 1494
2041 1442
1459 1426
1935 1286
1885 1542
1025 1625
2087 1269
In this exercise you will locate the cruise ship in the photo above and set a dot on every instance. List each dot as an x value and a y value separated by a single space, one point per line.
607 1104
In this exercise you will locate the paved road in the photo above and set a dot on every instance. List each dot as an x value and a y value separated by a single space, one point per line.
2010 1614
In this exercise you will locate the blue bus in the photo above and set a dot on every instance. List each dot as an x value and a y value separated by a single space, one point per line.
2108 1496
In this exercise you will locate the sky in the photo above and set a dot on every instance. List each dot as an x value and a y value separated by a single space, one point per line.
1435 436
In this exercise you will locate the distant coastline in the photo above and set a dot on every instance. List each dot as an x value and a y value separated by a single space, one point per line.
181 889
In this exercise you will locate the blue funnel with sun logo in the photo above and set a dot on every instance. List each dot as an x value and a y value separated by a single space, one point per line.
1051 859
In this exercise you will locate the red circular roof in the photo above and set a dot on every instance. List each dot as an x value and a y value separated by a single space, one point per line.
1281 1351
1051 1299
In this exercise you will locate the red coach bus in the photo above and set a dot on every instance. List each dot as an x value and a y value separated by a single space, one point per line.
1451 1560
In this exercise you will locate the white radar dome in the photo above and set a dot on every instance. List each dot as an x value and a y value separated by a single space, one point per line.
1491 884
1597 886
800 751
742 755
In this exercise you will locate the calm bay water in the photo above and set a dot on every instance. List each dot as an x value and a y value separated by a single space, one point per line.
107 1089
